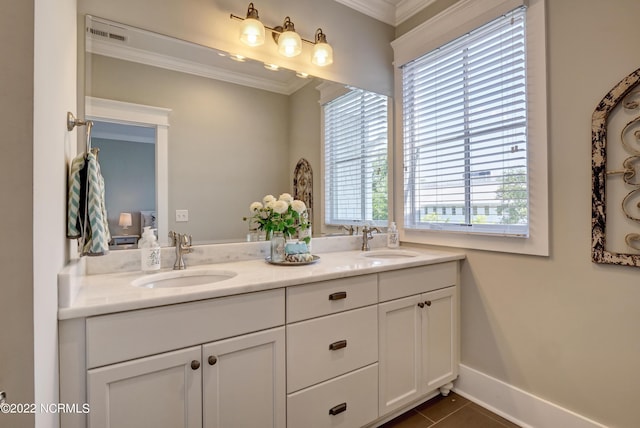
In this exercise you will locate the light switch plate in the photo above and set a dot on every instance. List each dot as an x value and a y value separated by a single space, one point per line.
182 216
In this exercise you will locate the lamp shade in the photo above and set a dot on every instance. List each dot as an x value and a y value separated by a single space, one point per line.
322 54
252 32
125 220
322 51
289 42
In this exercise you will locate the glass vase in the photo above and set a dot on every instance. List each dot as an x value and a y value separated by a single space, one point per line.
277 247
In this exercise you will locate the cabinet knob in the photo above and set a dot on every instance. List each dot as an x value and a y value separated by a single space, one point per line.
421 305
195 364
338 295
212 360
428 303
338 409
338 345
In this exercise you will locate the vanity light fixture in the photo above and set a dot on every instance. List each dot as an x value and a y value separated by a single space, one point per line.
252 30
289 42
322 51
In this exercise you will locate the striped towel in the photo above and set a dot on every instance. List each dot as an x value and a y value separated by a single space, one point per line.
86 189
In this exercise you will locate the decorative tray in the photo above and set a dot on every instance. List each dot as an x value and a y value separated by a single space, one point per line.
286 263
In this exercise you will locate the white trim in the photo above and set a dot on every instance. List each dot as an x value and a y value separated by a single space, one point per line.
538 241
138 114
435 32
518 406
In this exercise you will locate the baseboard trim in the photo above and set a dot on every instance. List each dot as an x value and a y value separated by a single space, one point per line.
516 405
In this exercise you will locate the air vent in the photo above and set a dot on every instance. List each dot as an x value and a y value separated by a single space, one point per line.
102 30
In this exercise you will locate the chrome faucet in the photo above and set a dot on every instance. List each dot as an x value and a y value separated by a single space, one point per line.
182 242
367 234
348 229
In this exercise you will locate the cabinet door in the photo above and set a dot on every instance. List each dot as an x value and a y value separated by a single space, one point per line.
164 390
244 381
440 333
399 353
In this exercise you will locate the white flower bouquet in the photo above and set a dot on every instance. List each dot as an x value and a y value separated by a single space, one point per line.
285 214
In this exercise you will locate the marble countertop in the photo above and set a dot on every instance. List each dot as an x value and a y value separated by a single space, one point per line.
113 292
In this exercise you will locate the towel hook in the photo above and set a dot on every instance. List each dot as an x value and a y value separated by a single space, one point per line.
72 122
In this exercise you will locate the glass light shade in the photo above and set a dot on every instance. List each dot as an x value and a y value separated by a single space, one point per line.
322 54
252 32
289 44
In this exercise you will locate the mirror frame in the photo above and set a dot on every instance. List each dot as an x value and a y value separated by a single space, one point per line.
105 110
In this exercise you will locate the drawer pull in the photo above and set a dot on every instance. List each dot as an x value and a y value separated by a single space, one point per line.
338 409
338 345
428 302
195 364
212 360
338 295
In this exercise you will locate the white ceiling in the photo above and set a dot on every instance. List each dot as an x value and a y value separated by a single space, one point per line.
392 12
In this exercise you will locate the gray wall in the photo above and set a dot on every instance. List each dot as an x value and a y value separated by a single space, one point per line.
16 188
561 327
129 173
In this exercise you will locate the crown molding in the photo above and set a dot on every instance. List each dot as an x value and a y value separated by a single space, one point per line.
392 12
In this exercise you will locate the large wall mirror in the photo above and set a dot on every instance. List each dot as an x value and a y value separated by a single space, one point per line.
234 130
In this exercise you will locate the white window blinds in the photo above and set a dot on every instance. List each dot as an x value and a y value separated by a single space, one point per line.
465 133
355 156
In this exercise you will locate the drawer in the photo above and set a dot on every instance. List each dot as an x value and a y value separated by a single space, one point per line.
128 335
407 282
326 347
348 401
329 297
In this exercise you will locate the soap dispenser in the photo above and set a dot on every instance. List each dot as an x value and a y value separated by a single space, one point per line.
393 240
149 251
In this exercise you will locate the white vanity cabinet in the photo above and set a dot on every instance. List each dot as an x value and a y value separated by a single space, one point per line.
342 353
418 333
332 353
159 391
238 381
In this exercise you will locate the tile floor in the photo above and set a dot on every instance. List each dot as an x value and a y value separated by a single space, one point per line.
453 411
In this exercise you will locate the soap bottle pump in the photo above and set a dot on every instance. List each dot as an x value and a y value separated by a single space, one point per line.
393 240
149 251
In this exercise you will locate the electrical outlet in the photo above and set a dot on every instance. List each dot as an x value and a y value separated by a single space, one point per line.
182 216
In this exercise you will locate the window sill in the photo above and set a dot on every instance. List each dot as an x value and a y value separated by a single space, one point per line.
474 241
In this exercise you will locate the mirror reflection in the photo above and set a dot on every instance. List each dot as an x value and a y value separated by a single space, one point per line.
236 131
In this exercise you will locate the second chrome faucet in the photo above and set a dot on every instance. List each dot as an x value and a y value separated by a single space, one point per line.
182 242
367 234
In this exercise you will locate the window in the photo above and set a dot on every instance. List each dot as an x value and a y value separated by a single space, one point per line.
355 158
465 123
473 127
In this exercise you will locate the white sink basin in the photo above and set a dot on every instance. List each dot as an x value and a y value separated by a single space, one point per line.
183 278
390 254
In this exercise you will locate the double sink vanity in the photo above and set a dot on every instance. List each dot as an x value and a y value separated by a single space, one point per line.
349 341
